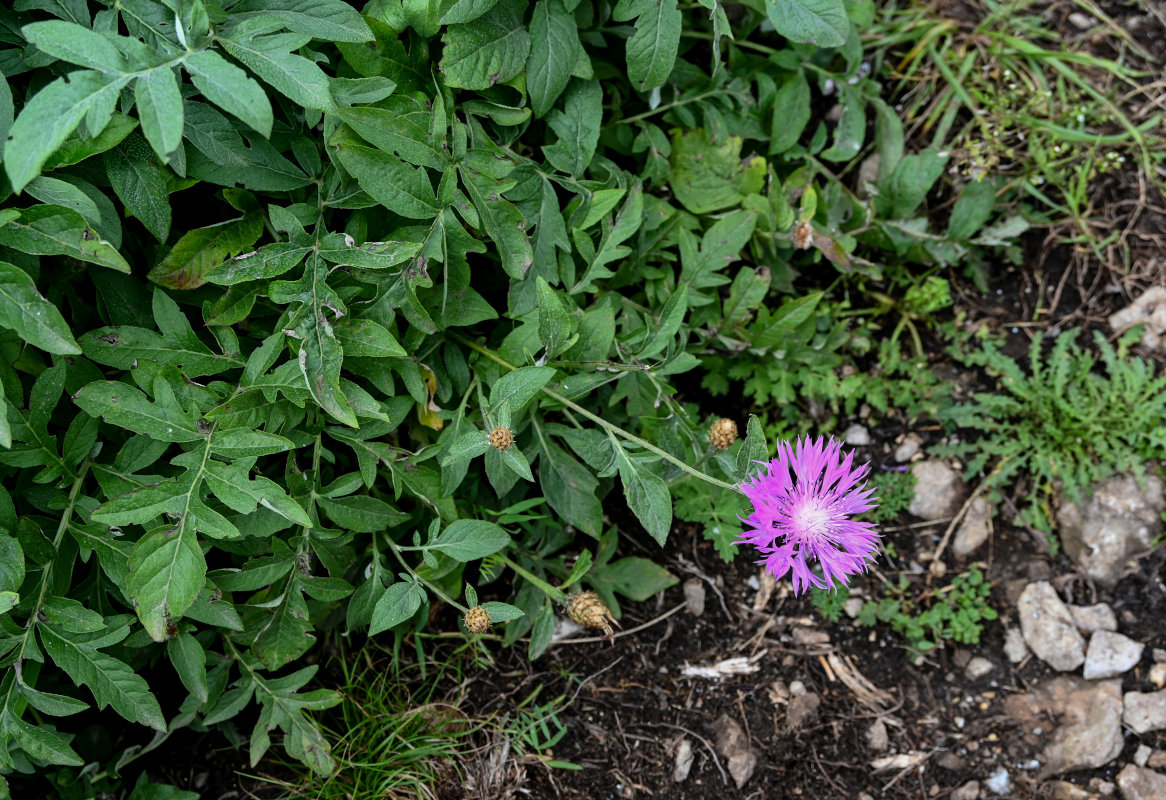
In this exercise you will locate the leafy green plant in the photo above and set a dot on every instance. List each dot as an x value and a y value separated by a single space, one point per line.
954 613
895 489
1065 423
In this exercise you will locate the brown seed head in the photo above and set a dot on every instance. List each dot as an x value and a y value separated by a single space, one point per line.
589 610
501 438
723 433
803 235
477 620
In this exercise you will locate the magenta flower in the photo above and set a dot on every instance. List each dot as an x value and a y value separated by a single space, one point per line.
803 507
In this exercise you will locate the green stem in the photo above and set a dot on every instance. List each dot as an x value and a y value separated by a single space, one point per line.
401 560
551 591
696 473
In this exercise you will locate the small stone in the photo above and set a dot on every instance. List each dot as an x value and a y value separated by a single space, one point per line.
974 529
908 448
1063 790
1089 733
853 607
876 736
683 763
1144 711
1118 522
999 782
969 791
1014 646
857 436
1102 787
733 745
694 596
1110 654
1093 618
978 667
808 637
1048 627
1139 783
1142 755
802 709
1159 655
951 761
1158 675
1081 22
1157 759
938 490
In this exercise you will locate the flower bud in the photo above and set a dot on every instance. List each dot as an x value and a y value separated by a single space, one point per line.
803 235
501 438
589 610
477 620
723 433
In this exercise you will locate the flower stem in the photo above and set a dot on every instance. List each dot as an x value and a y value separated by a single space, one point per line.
696 473
551 591
428 584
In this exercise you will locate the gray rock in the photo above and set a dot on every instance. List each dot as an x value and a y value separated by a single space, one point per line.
998 782
1048 627
1144 711
733 745
1150 309
1090 713
1142 755
974 529
694 596
1094 618
1014 646
938 490
1118 522
969 791
978 667
908 448
876 736
1063 790
1139 783
683 763
856 436
1110 654
853 607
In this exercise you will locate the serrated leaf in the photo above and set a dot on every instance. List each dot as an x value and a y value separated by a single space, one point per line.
470 539
491 49
362 513
503 222
399 187
202 249
519 386
112 682
52 114
638 579
128 407
230 88
36 320
50 230
292 75
329 20
577 128
38 742
167 570
397 604
399 125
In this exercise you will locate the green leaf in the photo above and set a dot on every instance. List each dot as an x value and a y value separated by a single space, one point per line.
912 180
399 187
140 184
647 496
36 320
577 128
126 406
75 44
503 223
542 631
753 450
160 110
519 386
502 612
651 52
470 539
671 318
329 20
458 11
708 175
851 128
554 51
570 489
38 742
399 125
362 513
554 326
55 705
636 578
167 570
397 604
52 114
820 22
189 660
292 75
468 445
49 230
773 330
229 88
791 113
112 682
363 337
516 462
491 49
202 249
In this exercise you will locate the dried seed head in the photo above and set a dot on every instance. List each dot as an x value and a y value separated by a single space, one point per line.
723 433
501 438
803 235
589 610
477 620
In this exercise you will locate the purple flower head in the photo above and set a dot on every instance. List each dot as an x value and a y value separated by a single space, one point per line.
803 504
